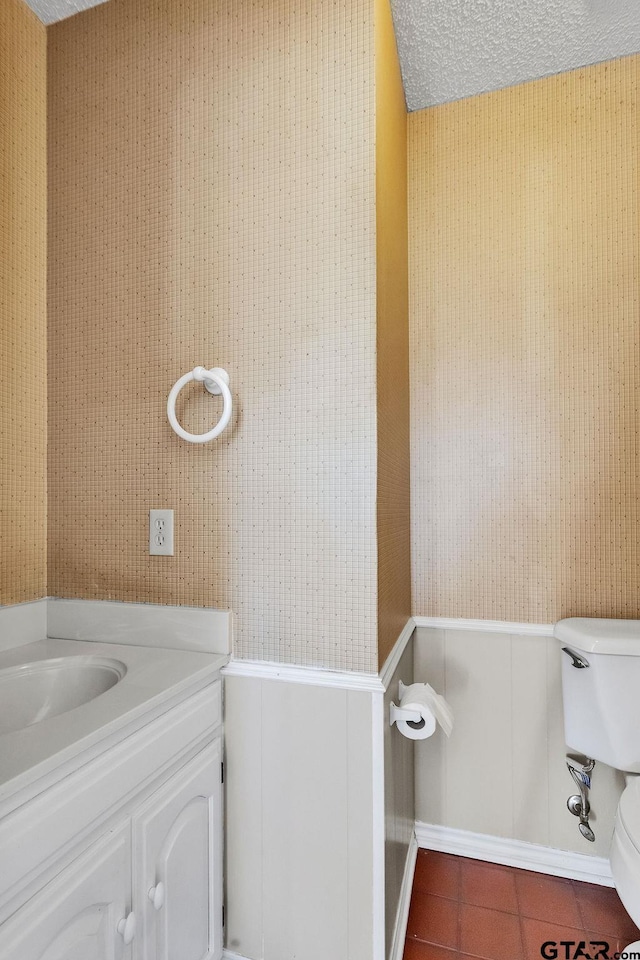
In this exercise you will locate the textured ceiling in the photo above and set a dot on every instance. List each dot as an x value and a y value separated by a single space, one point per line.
51 10
451 49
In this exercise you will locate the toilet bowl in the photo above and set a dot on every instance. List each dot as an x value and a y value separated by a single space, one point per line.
600 683
624 854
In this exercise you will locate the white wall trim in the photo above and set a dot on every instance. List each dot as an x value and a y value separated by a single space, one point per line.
392 661
228 955
402 913
23 623
321 677
379 825
316 676
515 853
487 626
142 624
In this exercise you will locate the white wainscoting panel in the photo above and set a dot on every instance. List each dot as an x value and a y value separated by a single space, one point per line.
502 772
243 817
399 795
300 820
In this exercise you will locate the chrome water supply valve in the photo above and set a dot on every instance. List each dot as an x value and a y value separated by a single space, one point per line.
578 804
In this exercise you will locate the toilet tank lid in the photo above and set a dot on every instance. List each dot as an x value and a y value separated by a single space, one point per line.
621 637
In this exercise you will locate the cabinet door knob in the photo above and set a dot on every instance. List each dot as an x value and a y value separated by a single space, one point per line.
127 927
156 895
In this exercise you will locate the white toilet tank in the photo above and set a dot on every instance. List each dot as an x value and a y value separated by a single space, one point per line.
602 699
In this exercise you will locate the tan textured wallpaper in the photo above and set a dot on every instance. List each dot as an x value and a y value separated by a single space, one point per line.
23 393
525 362
393 526
212 201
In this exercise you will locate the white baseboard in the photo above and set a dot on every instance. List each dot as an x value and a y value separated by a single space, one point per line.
228 955
515 853
402 913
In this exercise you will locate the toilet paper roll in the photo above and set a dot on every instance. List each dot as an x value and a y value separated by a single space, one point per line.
421 698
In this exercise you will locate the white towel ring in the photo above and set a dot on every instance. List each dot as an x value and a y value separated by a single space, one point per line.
215 381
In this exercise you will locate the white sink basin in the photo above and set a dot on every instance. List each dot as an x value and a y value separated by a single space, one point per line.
32 692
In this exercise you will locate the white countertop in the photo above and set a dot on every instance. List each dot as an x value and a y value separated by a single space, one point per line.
156 678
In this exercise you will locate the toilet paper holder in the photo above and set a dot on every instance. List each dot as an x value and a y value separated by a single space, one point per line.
400 713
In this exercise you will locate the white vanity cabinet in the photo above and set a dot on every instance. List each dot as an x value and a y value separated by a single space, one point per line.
121 858
76 916
178 865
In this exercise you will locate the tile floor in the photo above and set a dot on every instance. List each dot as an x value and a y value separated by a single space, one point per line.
462 909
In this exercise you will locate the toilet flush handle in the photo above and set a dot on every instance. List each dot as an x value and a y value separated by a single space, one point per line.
576 660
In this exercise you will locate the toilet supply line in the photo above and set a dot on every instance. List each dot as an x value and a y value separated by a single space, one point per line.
580 769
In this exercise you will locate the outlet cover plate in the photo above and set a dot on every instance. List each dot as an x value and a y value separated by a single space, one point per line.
161 533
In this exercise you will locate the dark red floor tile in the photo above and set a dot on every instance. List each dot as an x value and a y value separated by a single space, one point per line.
547 898
601 910
536 933
547 910
418 950
490 934
433 919
619 945
488 885
437 873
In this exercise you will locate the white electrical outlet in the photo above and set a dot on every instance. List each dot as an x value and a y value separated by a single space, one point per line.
161 533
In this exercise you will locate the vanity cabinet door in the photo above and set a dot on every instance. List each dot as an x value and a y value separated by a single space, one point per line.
76 915
177 839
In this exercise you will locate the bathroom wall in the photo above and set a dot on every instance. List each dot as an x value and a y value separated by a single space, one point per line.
525 361
502 772
320 793
212 201
393 527
23 389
